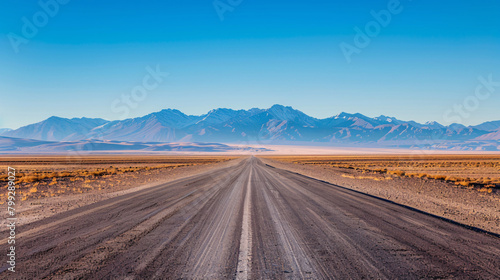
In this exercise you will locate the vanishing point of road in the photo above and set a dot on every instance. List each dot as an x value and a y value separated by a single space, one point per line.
250 221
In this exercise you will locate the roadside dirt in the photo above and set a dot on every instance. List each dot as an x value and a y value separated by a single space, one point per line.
101 188
457 203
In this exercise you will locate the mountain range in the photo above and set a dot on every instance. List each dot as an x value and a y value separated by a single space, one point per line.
277 124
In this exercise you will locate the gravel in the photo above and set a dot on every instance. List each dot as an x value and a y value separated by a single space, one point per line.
463 205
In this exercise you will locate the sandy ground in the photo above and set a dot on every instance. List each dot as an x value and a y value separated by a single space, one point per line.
36 209
460 204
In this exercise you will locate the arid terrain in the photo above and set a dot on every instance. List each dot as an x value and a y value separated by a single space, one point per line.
477 171
222 217
463 188
51 184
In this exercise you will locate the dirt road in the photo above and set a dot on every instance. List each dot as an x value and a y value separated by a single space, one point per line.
249 221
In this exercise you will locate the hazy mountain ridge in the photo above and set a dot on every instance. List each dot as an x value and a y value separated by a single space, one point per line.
18 145
274 125
57 129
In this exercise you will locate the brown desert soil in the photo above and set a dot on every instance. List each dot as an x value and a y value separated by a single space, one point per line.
98 188
457 203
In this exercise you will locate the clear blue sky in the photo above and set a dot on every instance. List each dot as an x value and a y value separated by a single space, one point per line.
89 54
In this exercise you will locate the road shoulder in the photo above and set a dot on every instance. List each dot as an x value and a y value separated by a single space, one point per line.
38 209
439 198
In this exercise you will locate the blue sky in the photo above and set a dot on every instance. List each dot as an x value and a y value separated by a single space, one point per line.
89 55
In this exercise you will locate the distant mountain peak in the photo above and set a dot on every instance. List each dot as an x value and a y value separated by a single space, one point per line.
287 113
221 110
342 115
170 110
55 118
434 124
278 106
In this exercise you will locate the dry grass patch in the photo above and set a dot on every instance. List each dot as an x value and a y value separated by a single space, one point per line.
366 177
478 171
48 176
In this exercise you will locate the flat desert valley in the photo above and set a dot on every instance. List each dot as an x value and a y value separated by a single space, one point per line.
349 214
